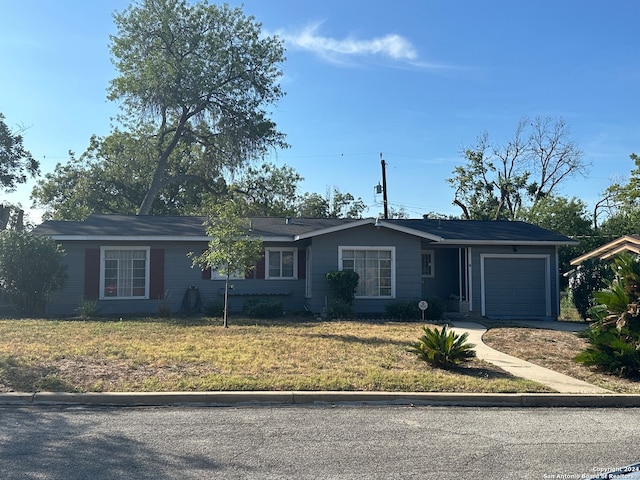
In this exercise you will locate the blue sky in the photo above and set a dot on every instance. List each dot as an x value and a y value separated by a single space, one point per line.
415 80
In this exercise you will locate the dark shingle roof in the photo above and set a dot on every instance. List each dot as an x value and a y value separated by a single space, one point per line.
125 225
481 231
180 227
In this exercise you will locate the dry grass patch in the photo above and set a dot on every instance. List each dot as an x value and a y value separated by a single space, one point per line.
554 350
162 355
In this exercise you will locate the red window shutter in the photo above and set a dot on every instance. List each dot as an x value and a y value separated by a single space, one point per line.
156 273
92 273
302 263
260 266
206 274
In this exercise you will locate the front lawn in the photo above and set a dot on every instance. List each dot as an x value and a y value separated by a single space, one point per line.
170 355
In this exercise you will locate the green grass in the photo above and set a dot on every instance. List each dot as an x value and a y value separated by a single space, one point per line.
567 311
165 355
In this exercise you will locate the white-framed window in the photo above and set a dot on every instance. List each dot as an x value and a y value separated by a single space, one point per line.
376 268
281 263
237 275
427 263
124 272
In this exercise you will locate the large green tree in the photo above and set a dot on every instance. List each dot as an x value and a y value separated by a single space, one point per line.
112 176
194 83
268 190
16 163
498 180
104 179
568 216
335 204
618 211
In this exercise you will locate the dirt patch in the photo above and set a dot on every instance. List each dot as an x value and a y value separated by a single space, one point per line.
554 350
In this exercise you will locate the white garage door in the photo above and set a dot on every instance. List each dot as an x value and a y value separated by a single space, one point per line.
516 286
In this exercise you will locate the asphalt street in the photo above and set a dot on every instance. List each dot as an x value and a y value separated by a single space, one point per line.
315 442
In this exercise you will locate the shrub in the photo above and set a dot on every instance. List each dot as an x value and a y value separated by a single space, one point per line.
612 351
343 284
586 279
443 348
88 308
164 307
614 338
214 308
341 310
408 310
31 270
263 308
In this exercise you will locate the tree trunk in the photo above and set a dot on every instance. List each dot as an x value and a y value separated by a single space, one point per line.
5 213
225 312
154 189
158 174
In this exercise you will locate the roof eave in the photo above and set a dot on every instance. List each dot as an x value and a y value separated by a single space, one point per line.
129 238
508 242
605 249
153 238
335 228
410 231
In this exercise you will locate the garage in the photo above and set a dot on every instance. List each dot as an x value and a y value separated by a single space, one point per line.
515 286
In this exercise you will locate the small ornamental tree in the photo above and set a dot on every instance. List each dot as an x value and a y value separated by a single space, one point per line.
231 249
31 270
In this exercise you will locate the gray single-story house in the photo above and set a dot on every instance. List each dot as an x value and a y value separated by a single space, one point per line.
136 264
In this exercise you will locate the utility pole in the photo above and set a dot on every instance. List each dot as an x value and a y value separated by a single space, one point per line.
384 187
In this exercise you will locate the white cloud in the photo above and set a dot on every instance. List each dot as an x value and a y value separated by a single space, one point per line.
392 46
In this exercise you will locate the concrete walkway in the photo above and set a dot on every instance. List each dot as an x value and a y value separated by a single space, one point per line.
521 368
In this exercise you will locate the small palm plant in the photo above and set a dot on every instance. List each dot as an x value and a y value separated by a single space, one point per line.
443 348
614 338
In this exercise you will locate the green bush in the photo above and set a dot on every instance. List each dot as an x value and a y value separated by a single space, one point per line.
443 348
584 281
263 308
213 308
343 284
88 309
31 270
612 351
407 310
614 337
341 310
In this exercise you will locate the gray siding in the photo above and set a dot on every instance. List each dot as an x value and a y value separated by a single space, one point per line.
65 302
179 276
325 259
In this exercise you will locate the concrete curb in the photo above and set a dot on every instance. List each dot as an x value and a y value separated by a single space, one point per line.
139 399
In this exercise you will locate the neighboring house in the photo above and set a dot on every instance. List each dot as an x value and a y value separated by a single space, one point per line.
135 264
626 243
